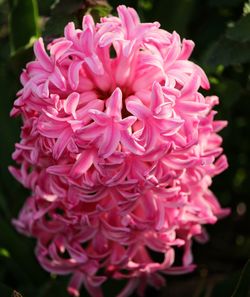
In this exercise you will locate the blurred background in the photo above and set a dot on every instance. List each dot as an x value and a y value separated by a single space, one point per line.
221 32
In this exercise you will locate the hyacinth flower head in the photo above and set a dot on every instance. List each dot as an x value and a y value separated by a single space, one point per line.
118 147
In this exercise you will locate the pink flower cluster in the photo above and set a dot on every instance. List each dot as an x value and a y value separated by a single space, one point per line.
118 148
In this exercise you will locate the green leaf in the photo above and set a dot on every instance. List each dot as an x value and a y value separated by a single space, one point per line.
23 23
241 30
243 286
99 11
246 8
228 52
4 252
145 4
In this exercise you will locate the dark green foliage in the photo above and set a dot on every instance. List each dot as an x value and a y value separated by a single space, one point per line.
240 31
229 52
221 31
23 24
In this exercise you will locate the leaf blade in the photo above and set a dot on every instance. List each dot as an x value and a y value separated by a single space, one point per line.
23 23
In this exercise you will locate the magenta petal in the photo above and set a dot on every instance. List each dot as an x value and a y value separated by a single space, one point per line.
75 284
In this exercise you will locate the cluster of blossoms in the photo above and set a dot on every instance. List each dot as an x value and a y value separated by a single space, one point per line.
119 148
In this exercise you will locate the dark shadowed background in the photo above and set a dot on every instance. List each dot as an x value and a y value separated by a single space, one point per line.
221 31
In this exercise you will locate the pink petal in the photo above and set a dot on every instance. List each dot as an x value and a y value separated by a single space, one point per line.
73 74
58 79
114 104
62 142
83 163
130 143
71 103
187 48
59 48
191 107
110 140
101 118
41 55
138 109
70 31
94 64
60 170
87 41
90 132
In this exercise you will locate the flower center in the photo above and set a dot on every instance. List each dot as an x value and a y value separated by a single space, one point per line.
126 92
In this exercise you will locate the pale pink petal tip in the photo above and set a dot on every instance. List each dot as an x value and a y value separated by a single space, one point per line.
118 148
73 292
